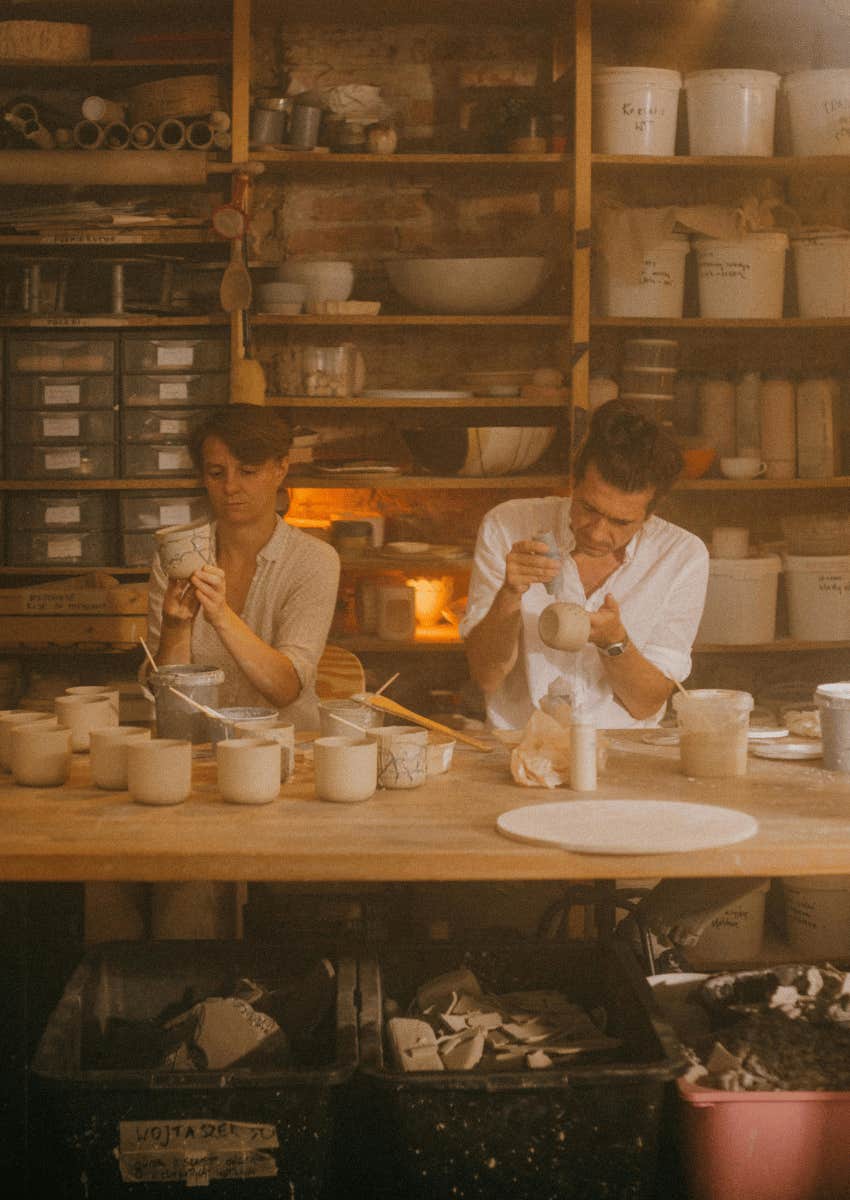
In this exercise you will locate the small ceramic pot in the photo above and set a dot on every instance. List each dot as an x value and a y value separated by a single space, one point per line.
88 690
8 721
40 753
441 750
184 549
564 626
248 770
346 768
108 755
82 714
402 756
159 770
283 732
349 713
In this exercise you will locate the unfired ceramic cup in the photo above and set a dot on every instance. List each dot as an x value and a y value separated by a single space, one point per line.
742 468
564 626
159 770
108 755
441 750
402 756
82 714
283 732
346 768
40 753
88 690
248 770
184 549
8 721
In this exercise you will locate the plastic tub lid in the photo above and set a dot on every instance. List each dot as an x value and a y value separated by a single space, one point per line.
660 76
816 75
815 564
833 695
756 567
819 234
766 236
818 883
668 396
740 76
186 675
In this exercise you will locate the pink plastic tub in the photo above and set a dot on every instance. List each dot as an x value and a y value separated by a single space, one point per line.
764 1145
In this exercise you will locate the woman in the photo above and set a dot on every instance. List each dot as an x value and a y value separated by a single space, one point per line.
262 610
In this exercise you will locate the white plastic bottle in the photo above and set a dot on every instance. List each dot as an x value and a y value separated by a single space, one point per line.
582 753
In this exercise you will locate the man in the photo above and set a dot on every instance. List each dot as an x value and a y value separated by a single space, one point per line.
642 579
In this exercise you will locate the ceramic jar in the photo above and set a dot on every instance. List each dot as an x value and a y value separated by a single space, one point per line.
184 549
82 714
283 732
40 754
8 721
346 768
564 626
108 755
159 770
248 770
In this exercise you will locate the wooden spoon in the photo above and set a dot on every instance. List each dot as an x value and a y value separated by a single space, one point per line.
386 705
235 291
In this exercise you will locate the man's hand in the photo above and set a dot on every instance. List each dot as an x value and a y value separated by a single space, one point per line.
605 624
210 587
528 563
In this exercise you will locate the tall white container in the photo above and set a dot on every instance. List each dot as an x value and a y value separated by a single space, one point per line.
748 415
818 590
817 915
717 414
742 278
819 110
777 400
659 289
737 933
740 603
731 111
822 265
818 440
635 110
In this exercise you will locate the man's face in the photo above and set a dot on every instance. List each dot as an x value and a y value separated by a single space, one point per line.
603 518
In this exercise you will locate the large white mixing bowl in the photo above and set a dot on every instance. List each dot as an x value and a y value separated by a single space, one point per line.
467 285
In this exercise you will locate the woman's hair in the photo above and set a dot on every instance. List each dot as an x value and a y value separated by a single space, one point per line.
629 451
251 433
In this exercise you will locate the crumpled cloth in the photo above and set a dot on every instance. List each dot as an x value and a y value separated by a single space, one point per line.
542 758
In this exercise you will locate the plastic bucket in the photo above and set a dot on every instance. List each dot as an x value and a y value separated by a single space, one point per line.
713 731
731 111
658 290
822 264
174 717
833 701
635 110
737 933
742 278
819 110
817 915
818 590
740 603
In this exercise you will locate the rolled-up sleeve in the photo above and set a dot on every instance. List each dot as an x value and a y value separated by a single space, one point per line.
488 574
674 629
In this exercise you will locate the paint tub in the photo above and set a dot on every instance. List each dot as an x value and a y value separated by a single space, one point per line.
742 278
818 591
833 701
819 110
635 110
658 290
740 603
737 933
817 916
731 111
822 265
713 731
174 717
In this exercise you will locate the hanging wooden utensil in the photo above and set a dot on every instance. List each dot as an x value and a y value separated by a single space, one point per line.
386 705
235 291
247 378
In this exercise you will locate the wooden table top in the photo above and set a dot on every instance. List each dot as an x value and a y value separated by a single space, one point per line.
443 831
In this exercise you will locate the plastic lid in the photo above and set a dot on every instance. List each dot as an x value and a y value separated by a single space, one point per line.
185 675
818 563
818 883
754 567
740 76
817 75
658 75
816 234
761 235
833 695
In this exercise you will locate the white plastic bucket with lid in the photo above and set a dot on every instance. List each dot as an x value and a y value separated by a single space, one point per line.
818 589
819 110
817 915
731 111
635 110
740 603
713 731
822 264
742 278
833 701
737 933
658 291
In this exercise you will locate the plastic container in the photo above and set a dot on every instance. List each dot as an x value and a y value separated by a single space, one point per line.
649 381
138 549
819 110
635 110
81 548
662 353
658 292
713 731
822 265
266 1131
80 510
824 534
165 391
196 353
778 421
174 717
155 510
818 428
225 727
587 1129
169 426
61 356
833 702
144 459
716 399
48 391
736 934
818 591
740 603
62 427
731 111
817 918
743 278
62 462
748 414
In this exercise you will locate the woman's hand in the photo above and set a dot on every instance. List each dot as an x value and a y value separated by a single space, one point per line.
210 587
179 603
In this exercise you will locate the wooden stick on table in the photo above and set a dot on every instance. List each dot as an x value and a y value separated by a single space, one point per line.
398 710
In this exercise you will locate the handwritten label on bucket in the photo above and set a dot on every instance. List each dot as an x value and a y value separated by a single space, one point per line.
195 1150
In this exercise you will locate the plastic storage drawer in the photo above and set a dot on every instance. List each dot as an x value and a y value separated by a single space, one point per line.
190 353
259 1131
589 1129
172 425
85 548
157 509
61 355
151 459
63 462
161 391
137 549
69 391
86 510
88 426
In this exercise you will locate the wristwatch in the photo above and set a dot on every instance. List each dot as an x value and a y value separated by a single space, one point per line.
614 649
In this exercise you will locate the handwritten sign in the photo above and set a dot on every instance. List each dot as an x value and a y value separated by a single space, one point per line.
195 1150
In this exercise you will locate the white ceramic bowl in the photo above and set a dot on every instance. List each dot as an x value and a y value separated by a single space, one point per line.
323 280
467 285
282 293
480 451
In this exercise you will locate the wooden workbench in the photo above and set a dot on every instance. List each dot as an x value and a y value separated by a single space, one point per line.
443 831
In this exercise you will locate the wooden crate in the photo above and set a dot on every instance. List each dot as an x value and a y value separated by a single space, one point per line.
90 610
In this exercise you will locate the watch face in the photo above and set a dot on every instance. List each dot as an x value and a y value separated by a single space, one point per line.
615 648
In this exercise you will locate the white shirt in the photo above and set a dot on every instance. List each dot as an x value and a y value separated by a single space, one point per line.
660 587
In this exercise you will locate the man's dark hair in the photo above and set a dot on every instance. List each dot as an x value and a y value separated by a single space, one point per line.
252 434
630 451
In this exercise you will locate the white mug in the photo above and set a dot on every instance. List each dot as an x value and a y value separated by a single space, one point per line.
91 689
40 753
108 754
248 769
282 732
730 541
402 756
564 626
742 468
8 721
346 768
82 714
159 770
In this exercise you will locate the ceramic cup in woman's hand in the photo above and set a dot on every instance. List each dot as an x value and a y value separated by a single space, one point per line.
184 549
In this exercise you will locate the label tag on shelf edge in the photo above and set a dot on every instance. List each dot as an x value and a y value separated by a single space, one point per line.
60 426
62 460
63 545
177 459
174 391
175 356
62 514
61 393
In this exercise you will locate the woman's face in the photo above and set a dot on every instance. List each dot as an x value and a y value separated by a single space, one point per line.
240 493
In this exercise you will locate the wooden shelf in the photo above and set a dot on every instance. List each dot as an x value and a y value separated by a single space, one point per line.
18 572
191 234
499 483
780 646
811 323
762 485
411 319
160 483
119 65
281 159
392 402
833 164
107 321
404 562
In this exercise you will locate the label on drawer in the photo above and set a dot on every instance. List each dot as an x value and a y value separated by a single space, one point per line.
174 514
62 460
175 356
174 391
195 1151
177 459
62 514
60 427
64 546
173 426
61 393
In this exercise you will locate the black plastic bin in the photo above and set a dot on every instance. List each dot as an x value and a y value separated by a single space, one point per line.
246 1133
580 1133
